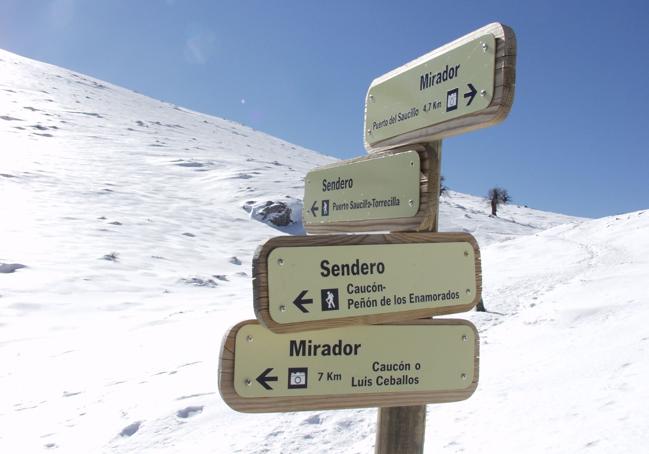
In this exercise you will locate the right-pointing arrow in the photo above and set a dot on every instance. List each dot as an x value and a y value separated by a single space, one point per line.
263 378
471 94
300 301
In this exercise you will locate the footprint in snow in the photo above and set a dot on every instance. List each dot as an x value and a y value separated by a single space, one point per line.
131 429
71 393
314 419
188 412
112 257
8 118
190 164
199 282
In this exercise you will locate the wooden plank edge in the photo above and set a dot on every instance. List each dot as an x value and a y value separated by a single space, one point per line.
433 178
313 403
499 30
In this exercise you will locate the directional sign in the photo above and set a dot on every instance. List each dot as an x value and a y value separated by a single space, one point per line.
361 366
471 77
433 91
385 187
332 280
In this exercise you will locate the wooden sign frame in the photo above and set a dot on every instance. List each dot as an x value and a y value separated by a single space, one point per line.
261 278
377 187
329 402
428 192
498 109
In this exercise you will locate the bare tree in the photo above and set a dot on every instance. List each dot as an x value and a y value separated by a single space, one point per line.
498 196
443 189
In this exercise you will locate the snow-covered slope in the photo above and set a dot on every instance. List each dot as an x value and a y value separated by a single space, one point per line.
128 214
466 213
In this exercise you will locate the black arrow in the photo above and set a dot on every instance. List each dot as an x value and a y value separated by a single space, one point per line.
263 378
300 301
470 94
314 208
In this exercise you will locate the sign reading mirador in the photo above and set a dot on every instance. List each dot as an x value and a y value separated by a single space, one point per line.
360 366
455 83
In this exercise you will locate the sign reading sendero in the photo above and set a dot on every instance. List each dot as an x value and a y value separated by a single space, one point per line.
456 83
409 275
343 364
379 188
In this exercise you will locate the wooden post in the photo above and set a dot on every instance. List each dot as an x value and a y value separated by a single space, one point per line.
402 429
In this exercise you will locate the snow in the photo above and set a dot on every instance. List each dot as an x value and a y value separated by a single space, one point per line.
127 225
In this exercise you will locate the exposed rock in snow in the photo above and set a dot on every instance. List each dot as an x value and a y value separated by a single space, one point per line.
10 267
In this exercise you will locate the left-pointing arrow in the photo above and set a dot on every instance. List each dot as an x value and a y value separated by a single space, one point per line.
263 378
300 301
314 208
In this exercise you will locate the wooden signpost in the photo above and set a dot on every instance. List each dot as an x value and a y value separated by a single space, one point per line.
327 305
424 361
326 281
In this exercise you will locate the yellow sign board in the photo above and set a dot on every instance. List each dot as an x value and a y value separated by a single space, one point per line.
385 277
385 187
461 86
456 83
358 366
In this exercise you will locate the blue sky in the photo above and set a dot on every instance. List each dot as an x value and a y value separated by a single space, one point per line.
575 141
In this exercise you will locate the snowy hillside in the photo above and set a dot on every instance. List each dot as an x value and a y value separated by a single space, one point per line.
132 220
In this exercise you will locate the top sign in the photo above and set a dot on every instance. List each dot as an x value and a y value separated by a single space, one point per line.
464 85
458 83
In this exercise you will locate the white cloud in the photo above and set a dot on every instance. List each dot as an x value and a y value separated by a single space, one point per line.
199 46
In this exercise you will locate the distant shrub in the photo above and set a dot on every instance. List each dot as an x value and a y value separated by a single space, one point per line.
443 189
497 196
